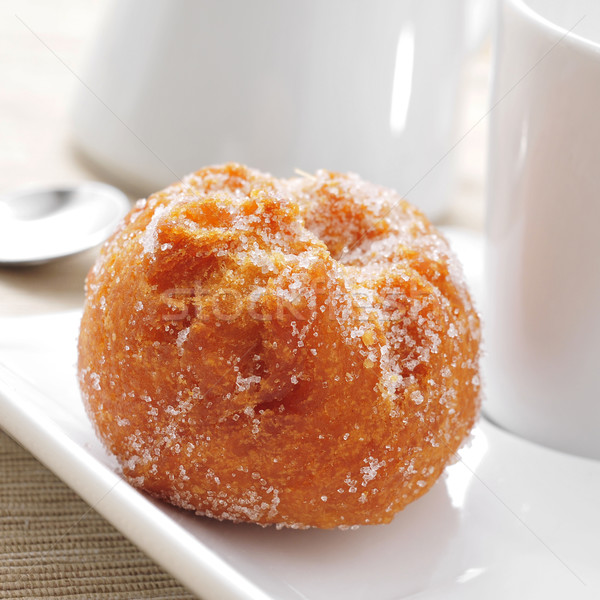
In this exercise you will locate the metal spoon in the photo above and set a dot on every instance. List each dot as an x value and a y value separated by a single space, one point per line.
43 224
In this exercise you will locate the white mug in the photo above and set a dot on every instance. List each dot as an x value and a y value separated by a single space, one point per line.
543 231
348 85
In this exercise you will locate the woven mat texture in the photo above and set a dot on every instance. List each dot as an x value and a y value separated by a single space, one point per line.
53 545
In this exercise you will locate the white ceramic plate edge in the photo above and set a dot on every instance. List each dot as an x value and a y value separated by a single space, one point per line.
129 511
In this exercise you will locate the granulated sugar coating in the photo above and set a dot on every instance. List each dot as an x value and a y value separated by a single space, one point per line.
298 352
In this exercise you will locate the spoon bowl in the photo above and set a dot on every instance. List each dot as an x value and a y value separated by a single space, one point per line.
43 224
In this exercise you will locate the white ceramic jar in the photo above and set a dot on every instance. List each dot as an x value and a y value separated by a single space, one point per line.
350 85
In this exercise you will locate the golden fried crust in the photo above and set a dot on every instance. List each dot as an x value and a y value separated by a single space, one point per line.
300 352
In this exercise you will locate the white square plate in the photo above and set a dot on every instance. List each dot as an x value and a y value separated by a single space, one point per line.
510 519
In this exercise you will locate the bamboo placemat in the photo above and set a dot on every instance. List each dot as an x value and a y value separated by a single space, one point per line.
53 545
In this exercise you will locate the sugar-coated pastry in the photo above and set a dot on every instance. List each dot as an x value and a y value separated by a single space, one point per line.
300 352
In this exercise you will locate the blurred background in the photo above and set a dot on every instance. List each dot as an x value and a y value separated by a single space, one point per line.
65 118
52 72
